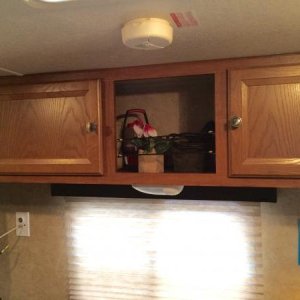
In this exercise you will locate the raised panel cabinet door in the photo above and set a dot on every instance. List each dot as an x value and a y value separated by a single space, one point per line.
52 128
264 122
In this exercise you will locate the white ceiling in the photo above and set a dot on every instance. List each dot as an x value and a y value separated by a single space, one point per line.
86 34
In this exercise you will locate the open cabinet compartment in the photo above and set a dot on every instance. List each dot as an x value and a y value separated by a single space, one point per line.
183 106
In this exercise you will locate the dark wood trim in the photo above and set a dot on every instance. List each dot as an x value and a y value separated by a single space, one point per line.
109 128
187 179
221 121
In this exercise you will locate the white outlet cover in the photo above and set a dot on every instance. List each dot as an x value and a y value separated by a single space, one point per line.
23 230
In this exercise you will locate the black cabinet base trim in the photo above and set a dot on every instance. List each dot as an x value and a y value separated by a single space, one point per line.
188 193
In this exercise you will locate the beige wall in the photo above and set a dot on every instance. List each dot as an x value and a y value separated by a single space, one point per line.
178 109
35 268
280 244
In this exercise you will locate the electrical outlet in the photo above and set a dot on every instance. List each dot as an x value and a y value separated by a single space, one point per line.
22 224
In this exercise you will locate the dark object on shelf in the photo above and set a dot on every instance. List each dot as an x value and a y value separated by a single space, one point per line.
195 152
129 150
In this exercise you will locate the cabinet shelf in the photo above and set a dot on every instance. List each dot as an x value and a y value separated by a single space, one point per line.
181 109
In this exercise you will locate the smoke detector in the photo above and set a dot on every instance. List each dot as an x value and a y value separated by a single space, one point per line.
147 34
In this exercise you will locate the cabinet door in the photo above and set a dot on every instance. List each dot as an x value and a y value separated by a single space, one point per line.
50 128
266 140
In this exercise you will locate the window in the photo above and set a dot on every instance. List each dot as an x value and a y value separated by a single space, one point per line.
164 249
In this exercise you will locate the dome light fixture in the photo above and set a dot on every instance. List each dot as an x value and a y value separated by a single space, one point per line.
48 1
43 3
147 34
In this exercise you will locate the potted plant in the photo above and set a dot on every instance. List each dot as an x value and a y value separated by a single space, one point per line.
151 148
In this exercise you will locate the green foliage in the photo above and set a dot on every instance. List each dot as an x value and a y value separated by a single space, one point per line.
157 144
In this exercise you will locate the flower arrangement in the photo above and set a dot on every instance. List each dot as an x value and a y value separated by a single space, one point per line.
147 140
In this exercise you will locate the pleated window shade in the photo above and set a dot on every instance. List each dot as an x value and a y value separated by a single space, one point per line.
164 249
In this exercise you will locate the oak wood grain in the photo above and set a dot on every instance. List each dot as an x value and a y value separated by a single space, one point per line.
43 128
268 141
100 148
189 179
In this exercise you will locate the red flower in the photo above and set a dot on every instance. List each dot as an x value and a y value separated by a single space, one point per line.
149 131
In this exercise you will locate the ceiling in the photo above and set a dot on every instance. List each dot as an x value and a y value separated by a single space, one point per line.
86 34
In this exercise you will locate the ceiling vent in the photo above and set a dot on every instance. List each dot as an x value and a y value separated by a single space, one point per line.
147 34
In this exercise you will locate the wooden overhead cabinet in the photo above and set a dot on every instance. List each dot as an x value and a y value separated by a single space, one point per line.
264 122
52 128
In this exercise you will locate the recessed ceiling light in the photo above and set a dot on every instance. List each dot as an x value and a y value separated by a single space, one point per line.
43 3
48 1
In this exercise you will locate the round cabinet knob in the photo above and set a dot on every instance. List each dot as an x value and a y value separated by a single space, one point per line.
235 122
91 127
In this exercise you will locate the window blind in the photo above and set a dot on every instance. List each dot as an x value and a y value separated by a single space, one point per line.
163 249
